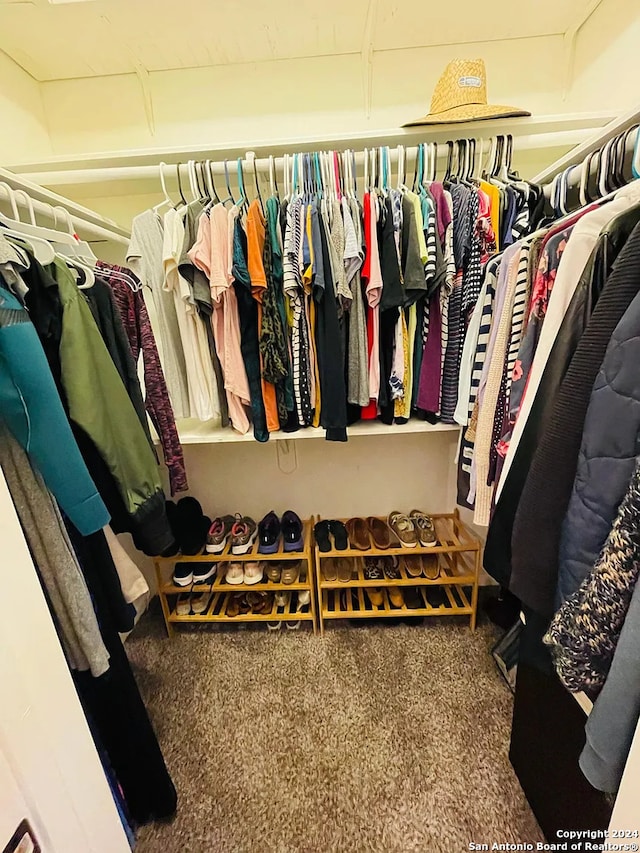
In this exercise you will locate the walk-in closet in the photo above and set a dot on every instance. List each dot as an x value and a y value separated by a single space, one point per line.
319 423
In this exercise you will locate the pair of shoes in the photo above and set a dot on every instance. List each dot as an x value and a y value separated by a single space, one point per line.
189 525
186 574
240 530
327 528
260 602
283 600
413 528
193 604
340 568
271 527
243 573
362 532
422 564
377 568
286 571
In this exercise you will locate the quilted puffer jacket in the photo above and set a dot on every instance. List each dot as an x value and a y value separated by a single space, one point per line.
610 443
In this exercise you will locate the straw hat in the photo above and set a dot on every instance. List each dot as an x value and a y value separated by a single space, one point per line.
461 95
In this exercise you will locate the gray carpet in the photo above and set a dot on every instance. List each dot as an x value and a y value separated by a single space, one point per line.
389 739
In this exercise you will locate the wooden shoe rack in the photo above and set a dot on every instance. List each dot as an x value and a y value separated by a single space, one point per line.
458 552
222 591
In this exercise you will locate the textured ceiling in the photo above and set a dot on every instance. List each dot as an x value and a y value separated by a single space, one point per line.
63 40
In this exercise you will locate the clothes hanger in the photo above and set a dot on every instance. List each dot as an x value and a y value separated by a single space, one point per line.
40 238
184 201
447 173
42 250
272 177
366 170
77 248
226 179
201 183
167 199
213 193
191 174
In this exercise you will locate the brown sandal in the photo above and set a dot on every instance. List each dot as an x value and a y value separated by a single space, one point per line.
358 531
381 534
233 604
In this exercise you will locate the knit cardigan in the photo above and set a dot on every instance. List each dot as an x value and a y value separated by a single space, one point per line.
584 633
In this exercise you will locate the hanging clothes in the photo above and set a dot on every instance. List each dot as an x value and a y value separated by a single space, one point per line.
211 254
135 319
144 256
61 577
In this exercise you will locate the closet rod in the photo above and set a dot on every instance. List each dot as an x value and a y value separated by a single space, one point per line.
87 222
560 139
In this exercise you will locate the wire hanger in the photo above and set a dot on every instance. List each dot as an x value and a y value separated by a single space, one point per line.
226 178
273 184
184 201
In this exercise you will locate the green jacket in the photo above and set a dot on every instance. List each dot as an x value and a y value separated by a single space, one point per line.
98 402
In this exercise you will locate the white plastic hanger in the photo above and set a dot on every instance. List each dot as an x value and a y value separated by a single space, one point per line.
42 249
81 249
167 199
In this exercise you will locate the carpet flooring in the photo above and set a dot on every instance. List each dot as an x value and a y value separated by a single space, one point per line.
390 739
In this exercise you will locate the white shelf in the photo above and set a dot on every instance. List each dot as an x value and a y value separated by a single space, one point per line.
203 432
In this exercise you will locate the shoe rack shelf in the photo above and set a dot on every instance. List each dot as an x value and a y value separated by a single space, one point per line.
223 592
458 551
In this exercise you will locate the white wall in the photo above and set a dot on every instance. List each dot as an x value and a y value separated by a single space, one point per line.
298 98
22 115
47 754
607 59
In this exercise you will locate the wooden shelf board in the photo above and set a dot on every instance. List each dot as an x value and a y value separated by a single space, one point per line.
397 552
396 611
171 589
466 580
197 432
244 617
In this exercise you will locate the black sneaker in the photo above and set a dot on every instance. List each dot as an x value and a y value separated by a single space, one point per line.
203 572
183 574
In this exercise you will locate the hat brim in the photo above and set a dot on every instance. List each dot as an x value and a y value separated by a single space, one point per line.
468 112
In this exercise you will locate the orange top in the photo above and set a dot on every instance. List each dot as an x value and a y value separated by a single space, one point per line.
256 226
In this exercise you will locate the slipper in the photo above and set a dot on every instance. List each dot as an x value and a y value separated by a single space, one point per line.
273 571
344 568
321 533
375 596
358 534
396 598
253 572
233 604
183 604
291 572
339 532
200 603
413 565
431 566
329 570
382 536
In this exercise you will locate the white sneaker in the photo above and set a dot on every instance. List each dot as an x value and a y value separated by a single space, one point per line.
235 573
253 572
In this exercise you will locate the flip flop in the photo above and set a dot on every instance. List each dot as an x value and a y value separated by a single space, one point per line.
329 570
344 568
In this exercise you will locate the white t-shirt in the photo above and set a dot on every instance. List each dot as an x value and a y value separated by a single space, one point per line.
201 380
144 256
